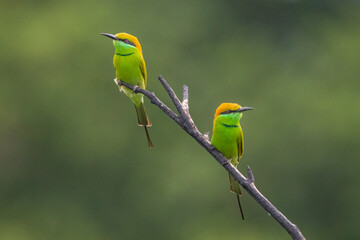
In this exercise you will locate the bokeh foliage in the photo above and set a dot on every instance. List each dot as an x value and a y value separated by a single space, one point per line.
74 164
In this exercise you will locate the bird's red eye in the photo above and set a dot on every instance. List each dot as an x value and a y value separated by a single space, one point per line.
227 112
127 41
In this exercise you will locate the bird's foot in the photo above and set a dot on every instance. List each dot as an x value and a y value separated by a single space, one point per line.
227 162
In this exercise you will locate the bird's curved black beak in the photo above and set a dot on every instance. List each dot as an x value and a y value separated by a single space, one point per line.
243 109
110 36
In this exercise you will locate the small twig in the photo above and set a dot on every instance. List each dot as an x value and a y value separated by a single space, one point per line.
251 177
185 99
173 97
185 121
206 135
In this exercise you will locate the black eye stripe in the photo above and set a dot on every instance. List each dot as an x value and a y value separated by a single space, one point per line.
227 112
127 41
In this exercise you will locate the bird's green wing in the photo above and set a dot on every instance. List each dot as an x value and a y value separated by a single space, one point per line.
143 70
234 185
240 145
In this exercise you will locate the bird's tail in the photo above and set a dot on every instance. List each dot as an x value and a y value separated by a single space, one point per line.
148 138
235 188
143 120
241 211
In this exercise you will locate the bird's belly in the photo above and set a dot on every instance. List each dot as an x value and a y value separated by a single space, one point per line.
130 75
229 149
128 70
226 143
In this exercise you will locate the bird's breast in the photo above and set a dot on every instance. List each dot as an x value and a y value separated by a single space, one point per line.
128 68
225 139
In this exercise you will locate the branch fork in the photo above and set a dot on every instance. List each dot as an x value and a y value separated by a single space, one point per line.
184 120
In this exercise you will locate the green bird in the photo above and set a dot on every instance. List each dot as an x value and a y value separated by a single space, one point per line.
228 138
130 68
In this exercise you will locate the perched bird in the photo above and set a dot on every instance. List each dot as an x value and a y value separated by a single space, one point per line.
228 138
130 68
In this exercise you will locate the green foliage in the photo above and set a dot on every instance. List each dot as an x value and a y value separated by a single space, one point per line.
67 166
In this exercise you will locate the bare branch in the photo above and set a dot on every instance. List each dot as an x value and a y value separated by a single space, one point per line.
187 124
153 99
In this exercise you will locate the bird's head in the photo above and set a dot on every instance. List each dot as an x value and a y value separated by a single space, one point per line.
230 113
124 43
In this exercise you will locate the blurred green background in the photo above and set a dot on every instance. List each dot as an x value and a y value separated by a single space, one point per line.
75 165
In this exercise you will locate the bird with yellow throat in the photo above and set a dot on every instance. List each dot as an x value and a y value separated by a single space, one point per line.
130 68
228 138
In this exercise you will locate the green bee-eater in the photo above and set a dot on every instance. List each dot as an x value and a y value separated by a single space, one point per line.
228 138
130 67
